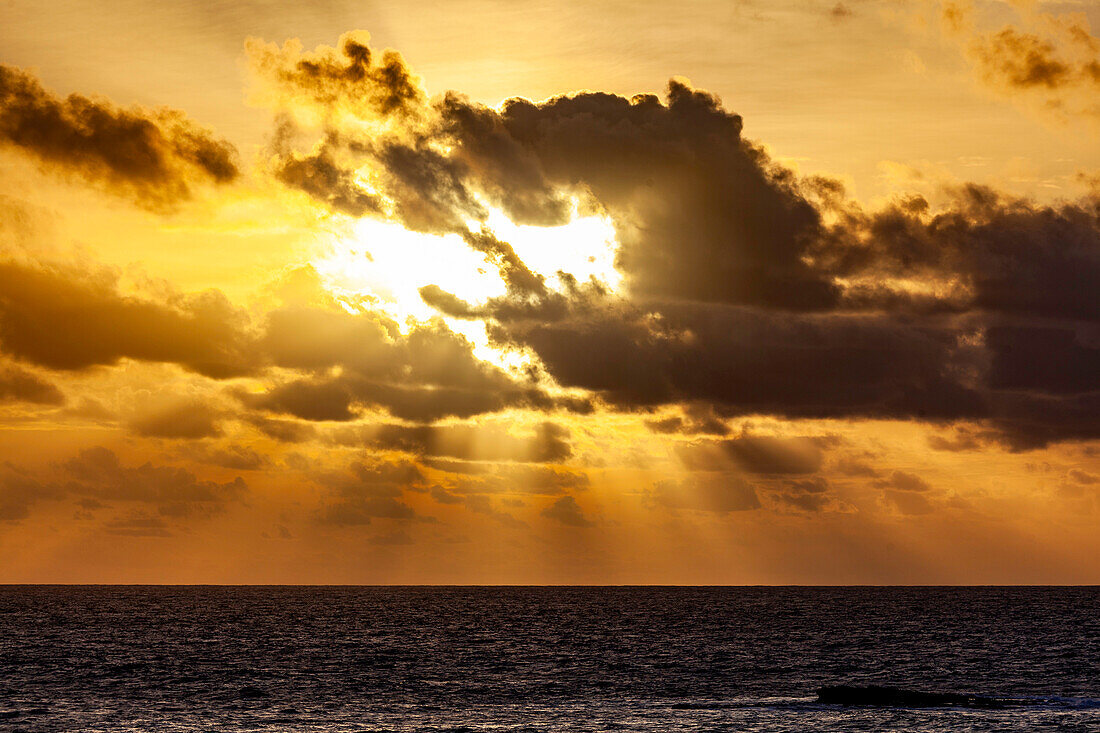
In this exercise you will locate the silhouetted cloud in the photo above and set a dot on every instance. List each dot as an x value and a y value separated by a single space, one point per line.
150 156
567 511
719 492
20 490
548 444
172 491
840 12
1051 56
19 385
64 319
181 419
754 454
1083 477
424 375
351 77
740 294
808 495
371 490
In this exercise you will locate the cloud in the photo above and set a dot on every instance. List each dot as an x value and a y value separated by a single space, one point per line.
1051 57
566 511
424 375
233 456
850 466
352 77
905 482
840 12
152 157
19 491
907 492
909 503
755 454
19 385
96 475
698 419
964 439
481 504
711 492
371 490
809 495
700 213
352 512
747 289
548 444
176 492
181 419
63 319
1083 477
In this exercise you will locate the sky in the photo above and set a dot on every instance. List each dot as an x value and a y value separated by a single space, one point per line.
483 292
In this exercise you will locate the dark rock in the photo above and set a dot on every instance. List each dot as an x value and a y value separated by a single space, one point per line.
899 698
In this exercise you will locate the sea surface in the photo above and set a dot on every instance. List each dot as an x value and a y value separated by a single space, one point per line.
110 658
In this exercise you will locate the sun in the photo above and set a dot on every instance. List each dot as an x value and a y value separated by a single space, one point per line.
388 264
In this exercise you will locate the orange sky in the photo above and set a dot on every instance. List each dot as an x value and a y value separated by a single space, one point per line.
746 292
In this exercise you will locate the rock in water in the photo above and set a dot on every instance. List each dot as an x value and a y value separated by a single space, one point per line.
899 698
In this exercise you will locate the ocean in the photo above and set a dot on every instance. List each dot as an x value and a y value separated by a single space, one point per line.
465 659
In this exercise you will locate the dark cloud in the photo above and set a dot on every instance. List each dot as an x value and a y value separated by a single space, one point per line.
840 12
548 444
19 385
1050 56
1023 60
285 431
443 496
746 361
698 419
1010 341
371 490
908 502
990 252
63 319
850 466
809 495
151 156
183 419
320 176
424 375
352 77
905 482
350 512
754 454
748 290
481 504
963 439
700 213
234 456
98 473
1083 477
508 478
710 492
567 511
20 490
